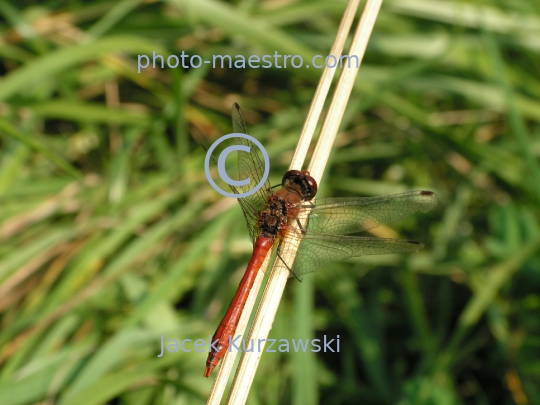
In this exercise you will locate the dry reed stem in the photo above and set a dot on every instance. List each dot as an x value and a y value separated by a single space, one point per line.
322 88
224 371
278 277
343 91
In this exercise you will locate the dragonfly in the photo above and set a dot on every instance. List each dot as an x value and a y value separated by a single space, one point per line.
319 229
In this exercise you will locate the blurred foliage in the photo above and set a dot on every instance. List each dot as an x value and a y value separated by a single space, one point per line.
110 235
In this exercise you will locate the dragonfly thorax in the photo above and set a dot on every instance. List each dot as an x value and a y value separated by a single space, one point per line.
274 218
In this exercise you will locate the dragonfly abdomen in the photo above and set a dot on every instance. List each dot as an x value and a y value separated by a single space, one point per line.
228 325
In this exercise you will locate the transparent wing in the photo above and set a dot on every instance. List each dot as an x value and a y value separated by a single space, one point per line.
321 240
250 165
316 250
358 214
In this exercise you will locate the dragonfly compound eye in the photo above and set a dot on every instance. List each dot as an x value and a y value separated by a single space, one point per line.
291 176
312 186
309 185
301 180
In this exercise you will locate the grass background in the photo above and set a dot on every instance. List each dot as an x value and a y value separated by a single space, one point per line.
110 235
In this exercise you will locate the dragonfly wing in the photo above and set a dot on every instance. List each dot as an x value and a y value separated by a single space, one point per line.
317 250
358 214
250 165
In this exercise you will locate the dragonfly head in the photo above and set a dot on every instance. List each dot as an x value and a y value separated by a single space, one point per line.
300 182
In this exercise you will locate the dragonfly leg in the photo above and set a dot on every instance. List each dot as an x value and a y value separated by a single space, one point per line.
300 227
281 258
308 205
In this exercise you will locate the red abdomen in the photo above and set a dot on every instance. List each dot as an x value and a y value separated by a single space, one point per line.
228 324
